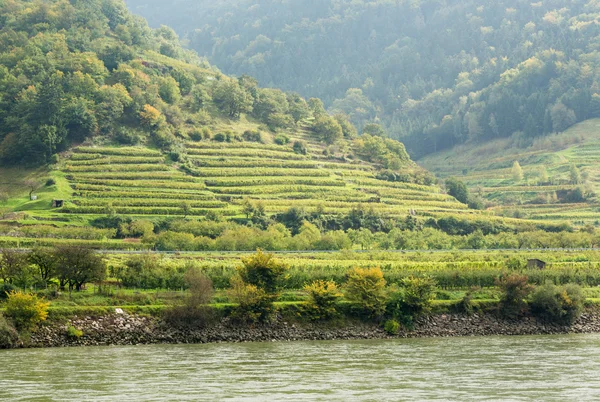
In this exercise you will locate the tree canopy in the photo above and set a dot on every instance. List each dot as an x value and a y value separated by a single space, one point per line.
433 73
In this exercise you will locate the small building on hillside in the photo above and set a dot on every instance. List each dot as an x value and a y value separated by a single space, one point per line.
58 203
535 263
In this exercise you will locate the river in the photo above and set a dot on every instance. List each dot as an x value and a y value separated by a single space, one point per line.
519 368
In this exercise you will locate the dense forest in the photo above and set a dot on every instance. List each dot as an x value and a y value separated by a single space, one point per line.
435 73
73 69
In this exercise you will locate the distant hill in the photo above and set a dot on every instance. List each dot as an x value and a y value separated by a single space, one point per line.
434 73
560 178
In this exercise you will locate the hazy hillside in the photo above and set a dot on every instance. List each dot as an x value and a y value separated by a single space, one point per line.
556 177
134 135
435 73
134 142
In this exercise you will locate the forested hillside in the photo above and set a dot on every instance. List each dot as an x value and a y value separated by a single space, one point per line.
130 134
435 73
73 70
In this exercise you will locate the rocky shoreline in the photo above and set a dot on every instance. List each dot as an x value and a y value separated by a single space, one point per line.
125 329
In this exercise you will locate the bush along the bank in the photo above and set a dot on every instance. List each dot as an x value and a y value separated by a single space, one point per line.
195 311
365 289
558 304
323 297
256 287
26 310
515 289
411 300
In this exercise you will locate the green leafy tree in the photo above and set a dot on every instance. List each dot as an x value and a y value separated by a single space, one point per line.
457 189
327 129
574 174
517 172
77 266
232 99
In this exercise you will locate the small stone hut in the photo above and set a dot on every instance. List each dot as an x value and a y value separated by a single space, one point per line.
58 203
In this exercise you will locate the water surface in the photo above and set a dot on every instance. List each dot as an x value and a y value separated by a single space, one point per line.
549 368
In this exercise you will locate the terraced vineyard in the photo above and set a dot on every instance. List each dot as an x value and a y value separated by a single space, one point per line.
141 181
547 190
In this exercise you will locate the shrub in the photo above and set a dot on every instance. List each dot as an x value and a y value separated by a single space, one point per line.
256 285
125 136
206 133
195 134
263 271
514 288
300 147
417 296
26 310
73 332
365 287
392 327
50 182
220 137
282 139
252 136
562 305
322 299
8 334
253 304
464 305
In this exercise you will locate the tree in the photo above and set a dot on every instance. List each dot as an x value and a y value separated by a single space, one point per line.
263 271
543 175
362 236
248 208
348 129
169 90
256 286
574 174
517 172
150 116
45 260
328 129
515 288
374 129
298 107
13 265
77 266
3 197
316 107
562 117
232 99
32 185
457 189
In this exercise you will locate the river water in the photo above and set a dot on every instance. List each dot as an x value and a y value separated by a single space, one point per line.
532 368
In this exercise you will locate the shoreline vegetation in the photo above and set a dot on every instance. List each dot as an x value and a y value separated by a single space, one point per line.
135 329
91 303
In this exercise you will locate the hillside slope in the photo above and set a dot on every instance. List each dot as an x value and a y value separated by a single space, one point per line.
435 73
560 177
133 133
137 143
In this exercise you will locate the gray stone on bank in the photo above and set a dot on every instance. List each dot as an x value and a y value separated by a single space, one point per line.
125 329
